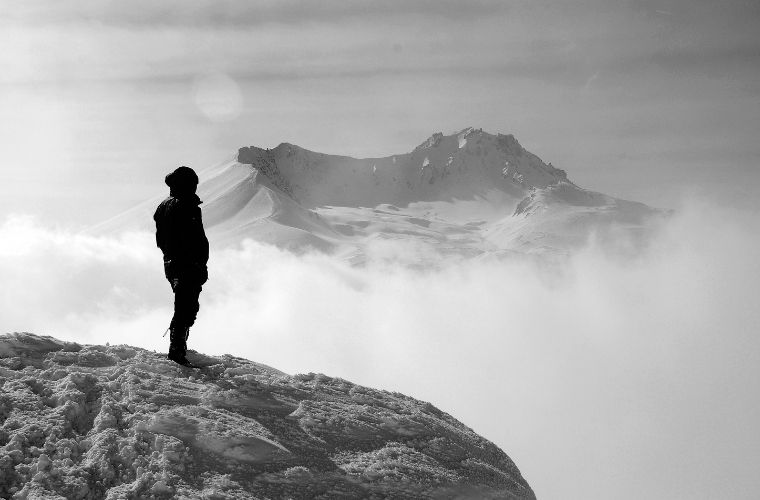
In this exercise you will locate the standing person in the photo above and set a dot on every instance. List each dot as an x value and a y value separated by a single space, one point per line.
181 238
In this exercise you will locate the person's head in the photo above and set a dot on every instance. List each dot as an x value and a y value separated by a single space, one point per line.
182 181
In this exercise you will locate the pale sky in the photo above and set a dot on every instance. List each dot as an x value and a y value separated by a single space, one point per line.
641 100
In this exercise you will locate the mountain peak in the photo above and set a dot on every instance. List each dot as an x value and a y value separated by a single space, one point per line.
507 142
463 165
251 154
437 138
431 141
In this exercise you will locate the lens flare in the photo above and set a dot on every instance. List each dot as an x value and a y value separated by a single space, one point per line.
218 97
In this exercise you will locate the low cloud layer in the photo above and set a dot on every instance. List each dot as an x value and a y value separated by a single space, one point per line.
603 377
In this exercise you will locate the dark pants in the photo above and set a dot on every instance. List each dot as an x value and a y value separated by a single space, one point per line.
186 292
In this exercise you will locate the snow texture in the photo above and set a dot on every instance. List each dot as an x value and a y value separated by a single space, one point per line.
89 421
470 193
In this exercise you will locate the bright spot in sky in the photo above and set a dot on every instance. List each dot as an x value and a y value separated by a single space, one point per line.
218 97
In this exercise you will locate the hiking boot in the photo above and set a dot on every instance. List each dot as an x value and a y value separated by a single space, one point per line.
180 359
178 345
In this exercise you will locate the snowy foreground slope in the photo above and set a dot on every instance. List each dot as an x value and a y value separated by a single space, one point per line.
88 421
470 193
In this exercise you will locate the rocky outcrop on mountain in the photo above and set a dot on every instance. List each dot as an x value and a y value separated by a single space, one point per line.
88 421
264 161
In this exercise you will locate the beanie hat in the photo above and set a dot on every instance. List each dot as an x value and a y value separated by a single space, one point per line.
183 176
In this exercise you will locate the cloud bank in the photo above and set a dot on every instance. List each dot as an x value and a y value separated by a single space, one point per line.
603 377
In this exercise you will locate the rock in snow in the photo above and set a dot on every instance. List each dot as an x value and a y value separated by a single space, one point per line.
90 421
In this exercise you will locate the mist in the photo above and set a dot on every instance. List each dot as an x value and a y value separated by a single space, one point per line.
603 375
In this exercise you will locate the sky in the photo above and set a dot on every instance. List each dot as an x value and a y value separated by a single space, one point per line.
629 377
644 100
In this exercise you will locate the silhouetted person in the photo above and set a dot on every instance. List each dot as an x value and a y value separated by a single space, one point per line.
180 236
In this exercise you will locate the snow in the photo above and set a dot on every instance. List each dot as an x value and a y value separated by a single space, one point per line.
462 137
492 197
89 421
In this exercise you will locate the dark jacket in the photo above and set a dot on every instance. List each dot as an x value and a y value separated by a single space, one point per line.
180 236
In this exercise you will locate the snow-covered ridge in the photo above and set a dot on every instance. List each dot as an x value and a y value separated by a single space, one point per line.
470 193
458 166
89 421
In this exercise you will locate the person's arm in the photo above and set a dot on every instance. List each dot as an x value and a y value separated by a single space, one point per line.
161 230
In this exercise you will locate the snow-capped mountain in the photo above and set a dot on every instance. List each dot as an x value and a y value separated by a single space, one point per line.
443 168
471 192
89 421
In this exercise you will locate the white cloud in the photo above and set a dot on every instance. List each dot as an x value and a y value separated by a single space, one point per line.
591 375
